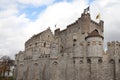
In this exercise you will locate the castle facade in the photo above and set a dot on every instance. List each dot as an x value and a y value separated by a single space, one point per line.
75 53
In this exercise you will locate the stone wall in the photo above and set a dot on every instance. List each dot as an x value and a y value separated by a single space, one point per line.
70 54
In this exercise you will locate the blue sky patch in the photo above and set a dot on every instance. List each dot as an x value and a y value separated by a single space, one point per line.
56 1
90 1
32 12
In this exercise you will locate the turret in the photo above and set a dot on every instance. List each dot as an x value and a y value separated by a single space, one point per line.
57 31
94 44
113 49
101 23
85 22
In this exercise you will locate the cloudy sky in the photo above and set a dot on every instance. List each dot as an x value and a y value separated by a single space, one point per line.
20 19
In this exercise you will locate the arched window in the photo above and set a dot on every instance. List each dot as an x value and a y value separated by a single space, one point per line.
81 61
36 64
55 63
112 61
44 44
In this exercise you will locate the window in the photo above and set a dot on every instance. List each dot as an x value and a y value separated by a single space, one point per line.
81 61
21 65
119 60
74 40
89 61
100 61
88 43
55 63
74 44
44 44
83 32
61 50
94 43
30 45
74 61
100 43
119 45
35 44
45 56
61 54
112 61
36 64
48 35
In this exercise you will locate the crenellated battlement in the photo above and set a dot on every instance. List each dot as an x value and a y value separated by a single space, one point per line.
113 44
67 53
113 50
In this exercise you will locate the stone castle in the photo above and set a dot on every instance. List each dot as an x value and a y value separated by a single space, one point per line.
75 53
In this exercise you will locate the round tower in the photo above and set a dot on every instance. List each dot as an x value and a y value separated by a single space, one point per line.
94 44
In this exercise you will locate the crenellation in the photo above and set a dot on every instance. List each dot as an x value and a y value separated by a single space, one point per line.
94 23
75 53
57 31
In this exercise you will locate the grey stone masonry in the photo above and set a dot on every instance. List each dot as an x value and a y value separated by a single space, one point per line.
75 53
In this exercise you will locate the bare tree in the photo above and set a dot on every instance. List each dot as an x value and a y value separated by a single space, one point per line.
5 65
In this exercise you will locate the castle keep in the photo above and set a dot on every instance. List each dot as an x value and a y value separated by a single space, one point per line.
75 53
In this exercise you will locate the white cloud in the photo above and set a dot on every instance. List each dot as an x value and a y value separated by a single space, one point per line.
12 32
8 4
109 13
62 14
8 12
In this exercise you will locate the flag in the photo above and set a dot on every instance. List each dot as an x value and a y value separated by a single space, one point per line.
86 10
98 16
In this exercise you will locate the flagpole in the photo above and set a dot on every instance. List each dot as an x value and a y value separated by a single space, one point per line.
55 26
87 10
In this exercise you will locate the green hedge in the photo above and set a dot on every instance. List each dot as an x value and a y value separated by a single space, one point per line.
8 78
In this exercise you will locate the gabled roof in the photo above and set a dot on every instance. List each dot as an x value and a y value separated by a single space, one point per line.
94 33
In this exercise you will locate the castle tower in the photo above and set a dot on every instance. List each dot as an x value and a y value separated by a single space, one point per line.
94 54
114 58
94 44
85 22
